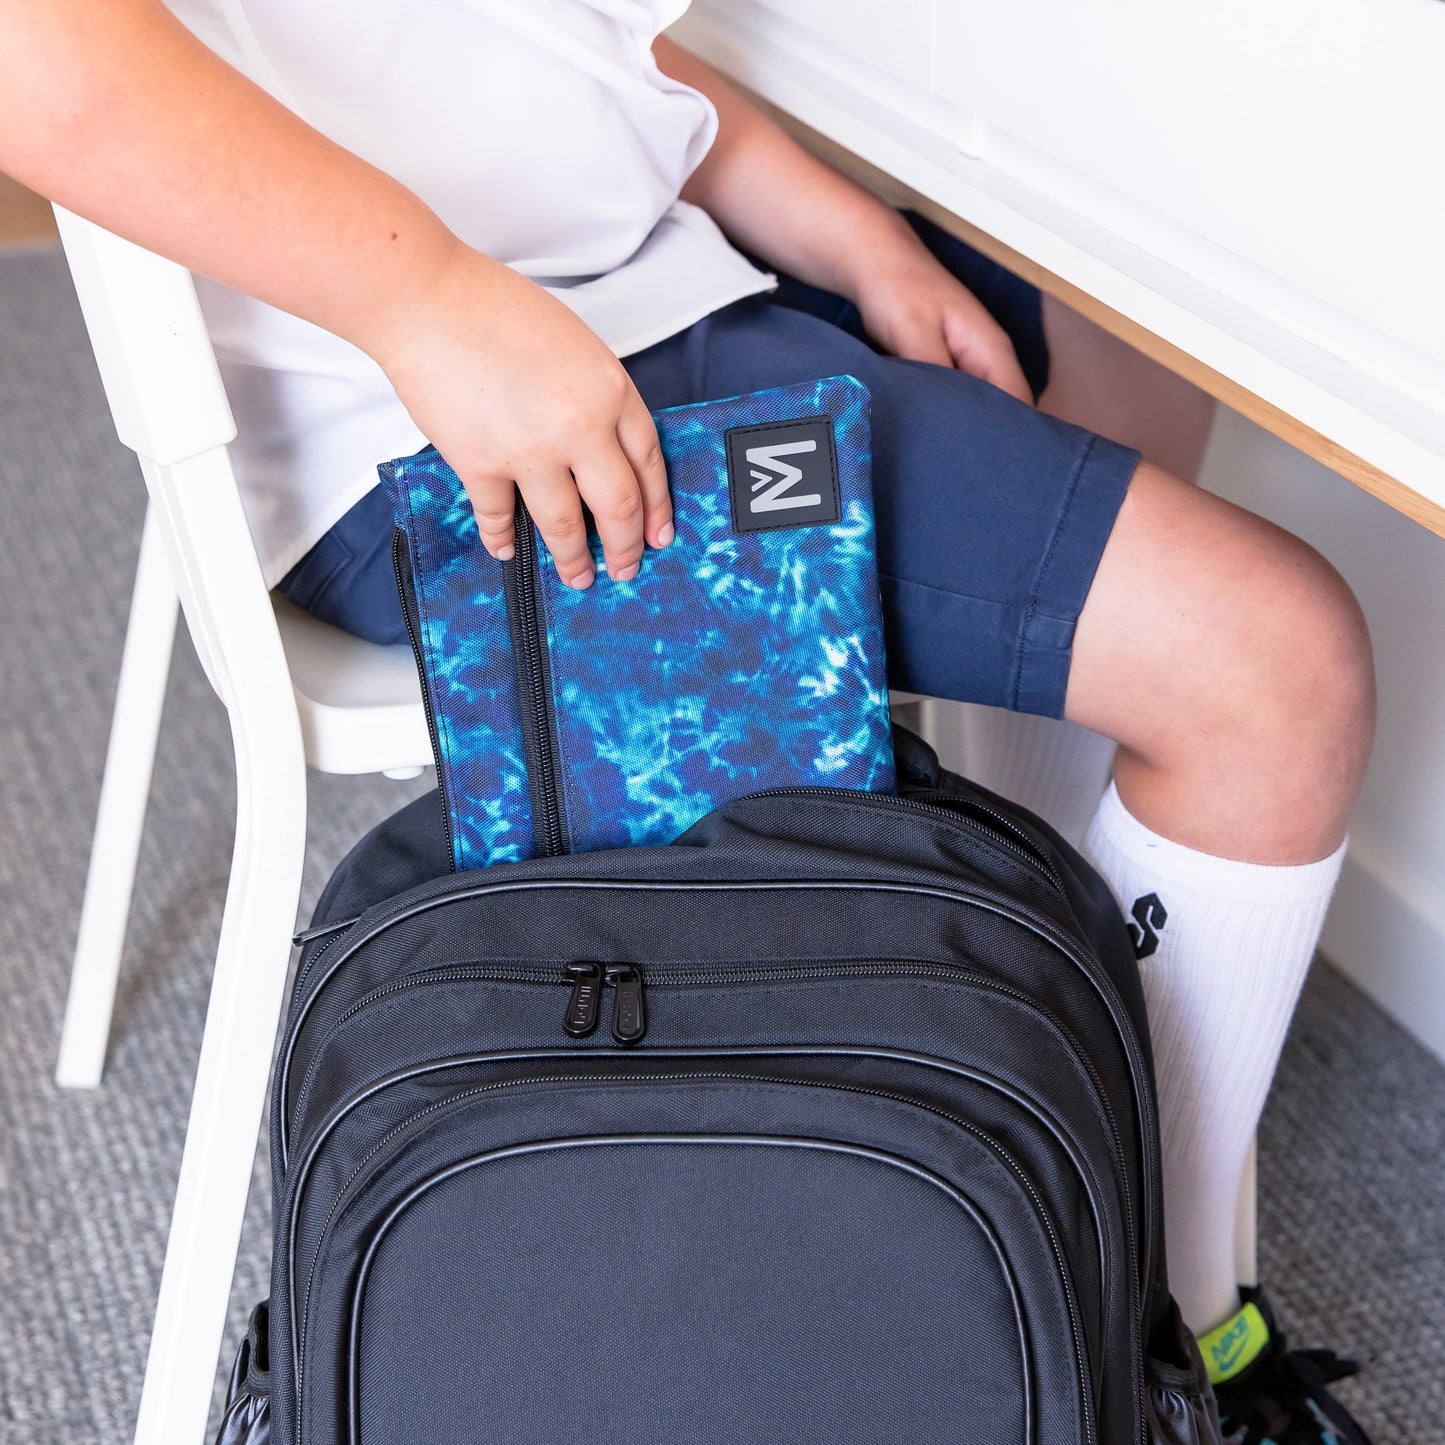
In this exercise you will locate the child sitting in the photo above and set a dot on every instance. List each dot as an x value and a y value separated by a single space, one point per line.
514 229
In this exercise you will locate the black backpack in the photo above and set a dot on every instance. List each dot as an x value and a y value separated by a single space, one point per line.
832 1121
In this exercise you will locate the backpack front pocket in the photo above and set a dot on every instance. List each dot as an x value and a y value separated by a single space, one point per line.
696 1259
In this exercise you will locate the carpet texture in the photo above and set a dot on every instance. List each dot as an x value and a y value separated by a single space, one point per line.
1352 1206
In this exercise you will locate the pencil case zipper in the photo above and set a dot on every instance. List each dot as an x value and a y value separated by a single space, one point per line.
527 624
527 618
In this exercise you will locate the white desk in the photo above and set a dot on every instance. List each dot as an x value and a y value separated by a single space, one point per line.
1252 192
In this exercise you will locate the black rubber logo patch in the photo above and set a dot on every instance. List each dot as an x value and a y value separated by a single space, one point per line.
1150 916
783 474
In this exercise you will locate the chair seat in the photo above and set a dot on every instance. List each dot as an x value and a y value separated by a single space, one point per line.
360 702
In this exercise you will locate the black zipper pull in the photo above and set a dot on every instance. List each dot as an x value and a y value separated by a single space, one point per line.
300 940
585 1004
629 1014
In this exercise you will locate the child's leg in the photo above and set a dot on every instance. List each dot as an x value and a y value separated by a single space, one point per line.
1083 375
1050 765
1224 945
348 579
1233 667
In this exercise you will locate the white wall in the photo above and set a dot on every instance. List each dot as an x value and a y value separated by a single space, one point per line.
1387 926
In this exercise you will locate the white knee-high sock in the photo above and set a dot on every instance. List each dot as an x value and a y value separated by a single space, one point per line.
1224 948
1054 768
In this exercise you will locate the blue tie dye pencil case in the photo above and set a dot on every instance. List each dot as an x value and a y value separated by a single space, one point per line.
747 655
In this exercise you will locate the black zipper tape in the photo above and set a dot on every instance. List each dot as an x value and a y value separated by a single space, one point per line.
526 616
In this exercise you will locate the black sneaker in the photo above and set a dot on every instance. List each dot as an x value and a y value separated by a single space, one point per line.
1269 1394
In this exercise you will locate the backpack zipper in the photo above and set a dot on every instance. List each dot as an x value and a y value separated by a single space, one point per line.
1026 850
1023 914
588 977
584 1008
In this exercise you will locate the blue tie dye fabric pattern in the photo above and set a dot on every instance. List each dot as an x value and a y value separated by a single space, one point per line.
465 653
731 663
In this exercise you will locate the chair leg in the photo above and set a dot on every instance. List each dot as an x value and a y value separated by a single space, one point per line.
245 1006
120 819
917 713
1246 1263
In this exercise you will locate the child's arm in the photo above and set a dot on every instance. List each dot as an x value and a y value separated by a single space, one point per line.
116 111
785 205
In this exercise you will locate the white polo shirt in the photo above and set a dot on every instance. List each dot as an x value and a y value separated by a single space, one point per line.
540 131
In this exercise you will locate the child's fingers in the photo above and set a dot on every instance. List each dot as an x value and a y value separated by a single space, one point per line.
493 503
609 487
982 347
1002 368
557 510
637 436
925 342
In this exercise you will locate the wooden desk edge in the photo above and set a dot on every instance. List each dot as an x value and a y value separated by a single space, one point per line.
1393 493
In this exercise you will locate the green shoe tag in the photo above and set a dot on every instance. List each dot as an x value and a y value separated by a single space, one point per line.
1234 1345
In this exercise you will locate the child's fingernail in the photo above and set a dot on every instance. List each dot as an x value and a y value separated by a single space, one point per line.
505 554
582 579
665 536
626 574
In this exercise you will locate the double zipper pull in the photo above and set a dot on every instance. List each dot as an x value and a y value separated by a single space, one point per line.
585 1004
629 1015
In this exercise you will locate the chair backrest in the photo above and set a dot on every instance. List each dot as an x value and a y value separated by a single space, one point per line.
359 705
165 392
150 342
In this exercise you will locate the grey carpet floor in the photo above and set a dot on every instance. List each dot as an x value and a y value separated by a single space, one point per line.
1352 1150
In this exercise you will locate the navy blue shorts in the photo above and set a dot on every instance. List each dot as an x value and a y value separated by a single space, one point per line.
991 516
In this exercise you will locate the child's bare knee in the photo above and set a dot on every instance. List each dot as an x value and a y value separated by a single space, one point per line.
1301 693
1217 645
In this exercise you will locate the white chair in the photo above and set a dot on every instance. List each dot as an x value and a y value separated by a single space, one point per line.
296 692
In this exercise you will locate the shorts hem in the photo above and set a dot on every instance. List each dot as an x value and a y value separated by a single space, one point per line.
1086 521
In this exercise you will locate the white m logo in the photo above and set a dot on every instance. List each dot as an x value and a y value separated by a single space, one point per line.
783 476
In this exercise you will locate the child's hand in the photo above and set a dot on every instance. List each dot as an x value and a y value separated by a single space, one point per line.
120 113
512 388
911 306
